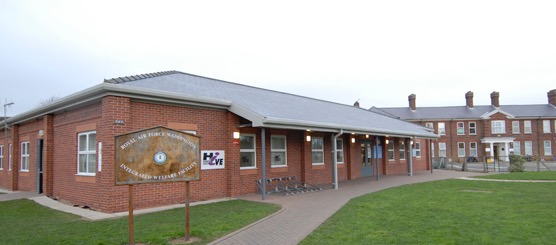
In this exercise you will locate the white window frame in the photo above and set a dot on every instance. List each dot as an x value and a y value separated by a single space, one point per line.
417 149
316 150
276 150
546 126
429 125
515 127
517 148
1 157
391 152
473 130
528 148
462 128
441 149
441 129
461 151
527 129
87 152
547 148
498 129
24 152
253 150
473 150
401 149
340 151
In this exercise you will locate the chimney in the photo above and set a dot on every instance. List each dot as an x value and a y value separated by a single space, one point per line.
356 104
552 97
494 99
469 99
411 99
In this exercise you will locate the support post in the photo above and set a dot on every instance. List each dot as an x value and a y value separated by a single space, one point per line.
263 164
130 214
409 157
187 225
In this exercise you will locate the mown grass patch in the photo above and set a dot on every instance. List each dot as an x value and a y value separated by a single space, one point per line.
544 175
26 222
446 212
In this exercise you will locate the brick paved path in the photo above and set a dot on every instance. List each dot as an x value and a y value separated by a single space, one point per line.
303 213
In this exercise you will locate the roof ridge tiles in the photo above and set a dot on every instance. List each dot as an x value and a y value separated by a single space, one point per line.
117 80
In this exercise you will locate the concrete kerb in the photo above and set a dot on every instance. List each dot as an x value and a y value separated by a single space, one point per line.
505 180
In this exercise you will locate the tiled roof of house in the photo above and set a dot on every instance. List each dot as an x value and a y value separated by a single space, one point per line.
267 108
464 112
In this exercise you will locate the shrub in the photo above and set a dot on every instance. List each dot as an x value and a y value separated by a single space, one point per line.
516 163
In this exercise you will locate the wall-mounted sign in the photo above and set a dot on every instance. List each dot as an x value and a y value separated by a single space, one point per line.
157 155
213 159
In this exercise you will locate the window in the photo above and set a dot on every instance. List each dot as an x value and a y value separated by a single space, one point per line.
442 149
87 155
529 148
1 157
546 126
247 151
340 150
517 148
527 127
472 128
461 128
278 151
24 156
417 149
461 149
498 127
10 157
391 151
429 125
402 150
473 149
547 148
317 145
515 127
441 128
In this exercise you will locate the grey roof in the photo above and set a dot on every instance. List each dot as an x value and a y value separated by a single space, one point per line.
267 108
464 112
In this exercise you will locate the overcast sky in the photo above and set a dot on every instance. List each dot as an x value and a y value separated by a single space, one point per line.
376 51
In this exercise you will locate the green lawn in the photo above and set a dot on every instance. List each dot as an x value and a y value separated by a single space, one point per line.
446 212
26 222
544 175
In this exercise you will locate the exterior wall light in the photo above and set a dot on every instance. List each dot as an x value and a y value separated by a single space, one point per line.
387 141
308 137
352 140
236 135
367 136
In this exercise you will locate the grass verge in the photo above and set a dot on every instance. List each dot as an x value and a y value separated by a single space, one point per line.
446 212
544 175
26 222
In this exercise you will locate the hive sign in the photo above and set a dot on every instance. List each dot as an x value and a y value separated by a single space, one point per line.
212 160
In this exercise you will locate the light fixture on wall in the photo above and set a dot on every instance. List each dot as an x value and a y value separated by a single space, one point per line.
387 141
353 140
308 137
236 135
367 136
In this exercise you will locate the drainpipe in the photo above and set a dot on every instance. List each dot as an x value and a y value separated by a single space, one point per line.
335 158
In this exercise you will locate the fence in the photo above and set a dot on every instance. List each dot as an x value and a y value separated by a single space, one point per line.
490 164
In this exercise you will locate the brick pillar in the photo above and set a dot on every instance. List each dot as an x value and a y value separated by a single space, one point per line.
48 157
15 157
232 156
306 158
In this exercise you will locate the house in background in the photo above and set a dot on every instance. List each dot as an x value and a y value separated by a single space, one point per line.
66 149
470 132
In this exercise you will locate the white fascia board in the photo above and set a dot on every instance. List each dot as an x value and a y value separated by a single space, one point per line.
488 114
96 93
327 127
255 118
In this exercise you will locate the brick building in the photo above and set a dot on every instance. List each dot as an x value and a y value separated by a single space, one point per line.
66 149
470 132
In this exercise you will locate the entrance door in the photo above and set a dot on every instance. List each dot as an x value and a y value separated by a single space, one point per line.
366 160
39 166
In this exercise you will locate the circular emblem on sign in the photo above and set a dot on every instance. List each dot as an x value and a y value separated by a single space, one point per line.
160 158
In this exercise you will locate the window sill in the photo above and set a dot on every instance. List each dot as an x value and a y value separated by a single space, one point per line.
86 175
23 171
279 166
